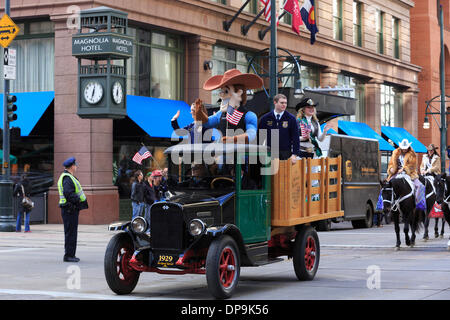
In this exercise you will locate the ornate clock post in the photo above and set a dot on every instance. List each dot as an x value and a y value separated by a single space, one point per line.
102 48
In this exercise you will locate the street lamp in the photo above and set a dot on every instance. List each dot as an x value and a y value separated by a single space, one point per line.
443 110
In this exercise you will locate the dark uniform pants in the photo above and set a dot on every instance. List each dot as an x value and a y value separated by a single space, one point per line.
70 220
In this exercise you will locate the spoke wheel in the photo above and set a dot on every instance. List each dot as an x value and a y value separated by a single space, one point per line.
306 253
222 267
121 278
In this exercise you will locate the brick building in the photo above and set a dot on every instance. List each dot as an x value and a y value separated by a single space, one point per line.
361 44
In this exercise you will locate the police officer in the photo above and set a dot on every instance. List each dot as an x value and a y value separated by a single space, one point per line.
279 118
71 200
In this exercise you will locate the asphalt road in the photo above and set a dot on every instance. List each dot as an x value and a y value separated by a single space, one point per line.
354 265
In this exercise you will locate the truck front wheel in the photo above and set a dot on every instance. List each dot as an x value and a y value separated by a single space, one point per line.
306 253
222 267
121 278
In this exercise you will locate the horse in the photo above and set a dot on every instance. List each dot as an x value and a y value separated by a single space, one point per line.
442 186
430 192
398 198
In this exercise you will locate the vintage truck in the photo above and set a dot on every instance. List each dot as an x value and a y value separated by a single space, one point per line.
231 206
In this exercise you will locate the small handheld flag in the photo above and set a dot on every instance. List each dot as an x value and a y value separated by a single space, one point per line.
142 154
233 116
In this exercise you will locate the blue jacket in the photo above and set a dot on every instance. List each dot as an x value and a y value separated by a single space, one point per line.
289 140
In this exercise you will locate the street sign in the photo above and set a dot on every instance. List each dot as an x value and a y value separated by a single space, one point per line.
8 31
9 63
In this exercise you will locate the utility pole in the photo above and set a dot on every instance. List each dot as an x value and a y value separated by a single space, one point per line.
273 59
442 83
7 222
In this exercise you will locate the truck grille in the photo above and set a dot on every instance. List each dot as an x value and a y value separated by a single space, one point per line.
167 226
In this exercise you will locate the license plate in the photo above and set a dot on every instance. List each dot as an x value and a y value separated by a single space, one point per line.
166 260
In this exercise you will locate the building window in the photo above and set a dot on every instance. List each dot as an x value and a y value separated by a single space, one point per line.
35 45
251 7
337 19
357 25
155 70
309 76
379 27
357 93
391 107
220 1
225 59
395 38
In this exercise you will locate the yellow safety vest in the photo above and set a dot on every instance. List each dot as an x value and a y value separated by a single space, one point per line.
78 189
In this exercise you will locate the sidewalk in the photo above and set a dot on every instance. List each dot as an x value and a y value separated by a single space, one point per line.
49 235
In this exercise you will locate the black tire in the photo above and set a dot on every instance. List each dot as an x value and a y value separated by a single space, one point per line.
323 225
121 278
223 267
367 222
306 254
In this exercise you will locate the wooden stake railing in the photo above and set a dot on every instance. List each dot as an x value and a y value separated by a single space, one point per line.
303 193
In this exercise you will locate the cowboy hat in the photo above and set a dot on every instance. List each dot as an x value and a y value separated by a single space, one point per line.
232 77
307 102
405 144
431 147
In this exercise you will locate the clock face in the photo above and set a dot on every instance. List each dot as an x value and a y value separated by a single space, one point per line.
117 92
93 92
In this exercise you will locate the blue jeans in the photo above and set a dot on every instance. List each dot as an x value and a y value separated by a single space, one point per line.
26 222
137 208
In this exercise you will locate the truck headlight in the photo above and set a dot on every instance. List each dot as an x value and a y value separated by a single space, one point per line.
196 227
139 225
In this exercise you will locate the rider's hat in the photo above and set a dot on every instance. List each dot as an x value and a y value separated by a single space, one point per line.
432 147
405 144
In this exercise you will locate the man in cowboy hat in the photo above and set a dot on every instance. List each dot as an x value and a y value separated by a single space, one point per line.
431 162
236 123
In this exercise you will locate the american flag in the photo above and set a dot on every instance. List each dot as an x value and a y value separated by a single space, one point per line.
142 154
267 6
233 116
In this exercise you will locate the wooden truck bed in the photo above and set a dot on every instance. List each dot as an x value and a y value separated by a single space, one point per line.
293 187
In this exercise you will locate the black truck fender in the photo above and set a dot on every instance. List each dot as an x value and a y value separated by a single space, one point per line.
234 232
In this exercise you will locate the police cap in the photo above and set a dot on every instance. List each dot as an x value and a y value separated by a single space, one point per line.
69 162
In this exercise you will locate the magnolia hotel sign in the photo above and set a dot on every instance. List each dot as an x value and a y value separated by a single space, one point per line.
102 44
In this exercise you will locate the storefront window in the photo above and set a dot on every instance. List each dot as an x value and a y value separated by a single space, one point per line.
357 93
35 47
155 70
391 107
225 59
309 76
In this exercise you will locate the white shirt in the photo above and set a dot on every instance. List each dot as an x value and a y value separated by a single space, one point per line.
276 113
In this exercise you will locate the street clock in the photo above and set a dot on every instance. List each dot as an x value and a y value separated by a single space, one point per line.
102 48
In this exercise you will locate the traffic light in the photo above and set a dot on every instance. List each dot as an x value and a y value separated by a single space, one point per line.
10 99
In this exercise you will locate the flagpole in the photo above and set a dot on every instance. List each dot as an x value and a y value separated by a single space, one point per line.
273 60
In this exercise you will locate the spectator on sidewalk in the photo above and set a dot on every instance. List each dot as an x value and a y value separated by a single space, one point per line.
23 189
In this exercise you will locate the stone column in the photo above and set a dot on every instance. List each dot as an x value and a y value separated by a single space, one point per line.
411 118
89 141
373 104
199 50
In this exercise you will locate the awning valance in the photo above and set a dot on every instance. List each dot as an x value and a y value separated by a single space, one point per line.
398 134
362 130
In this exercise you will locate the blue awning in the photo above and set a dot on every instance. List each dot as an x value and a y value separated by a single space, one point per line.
398 134
362 130
153 115
30 108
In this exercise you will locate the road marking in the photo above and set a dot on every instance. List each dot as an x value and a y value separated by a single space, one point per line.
20 249
59 294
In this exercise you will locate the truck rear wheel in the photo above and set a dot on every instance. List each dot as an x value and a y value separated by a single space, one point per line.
222 267
367 222
121 278
306 253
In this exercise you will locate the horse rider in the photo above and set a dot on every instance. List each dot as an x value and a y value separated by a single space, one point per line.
404 160
431 162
